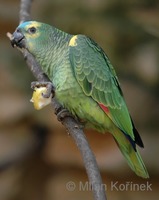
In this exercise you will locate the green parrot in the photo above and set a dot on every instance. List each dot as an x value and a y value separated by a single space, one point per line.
85 83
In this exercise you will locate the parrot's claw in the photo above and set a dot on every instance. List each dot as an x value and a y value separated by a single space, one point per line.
61 114
79 126
49 86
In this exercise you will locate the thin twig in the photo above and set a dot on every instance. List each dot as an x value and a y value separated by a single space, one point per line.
69 122
24 13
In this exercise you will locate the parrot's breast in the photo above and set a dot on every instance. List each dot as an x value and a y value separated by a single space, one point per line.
56 64
71 96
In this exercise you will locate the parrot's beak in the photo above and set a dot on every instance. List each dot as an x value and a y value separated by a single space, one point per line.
18 39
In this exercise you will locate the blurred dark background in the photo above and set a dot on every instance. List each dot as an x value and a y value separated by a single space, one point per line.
38 158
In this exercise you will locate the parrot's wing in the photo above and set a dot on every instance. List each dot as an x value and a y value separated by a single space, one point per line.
98 80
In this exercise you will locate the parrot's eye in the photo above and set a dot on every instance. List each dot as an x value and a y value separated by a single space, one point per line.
32 30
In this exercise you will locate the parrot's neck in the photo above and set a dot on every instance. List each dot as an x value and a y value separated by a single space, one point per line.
55 53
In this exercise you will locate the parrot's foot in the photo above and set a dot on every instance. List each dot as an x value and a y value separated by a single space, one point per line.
62 113
49 86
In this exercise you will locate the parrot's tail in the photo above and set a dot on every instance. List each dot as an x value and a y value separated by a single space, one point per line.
133 157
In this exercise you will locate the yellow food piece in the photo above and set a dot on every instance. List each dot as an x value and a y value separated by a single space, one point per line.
38 100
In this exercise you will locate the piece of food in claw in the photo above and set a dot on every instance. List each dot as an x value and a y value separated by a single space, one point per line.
38 99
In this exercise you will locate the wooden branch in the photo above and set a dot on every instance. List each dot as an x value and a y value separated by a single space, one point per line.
69 122
24 13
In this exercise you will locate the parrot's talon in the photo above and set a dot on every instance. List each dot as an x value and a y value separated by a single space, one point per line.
79 126
49 86
61 114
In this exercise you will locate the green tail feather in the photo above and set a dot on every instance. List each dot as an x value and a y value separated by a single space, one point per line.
133 157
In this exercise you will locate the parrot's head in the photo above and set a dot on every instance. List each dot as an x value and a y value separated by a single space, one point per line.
32 36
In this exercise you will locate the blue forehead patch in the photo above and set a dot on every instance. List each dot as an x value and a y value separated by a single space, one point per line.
28 23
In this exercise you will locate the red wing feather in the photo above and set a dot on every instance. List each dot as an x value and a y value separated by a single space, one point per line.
104 108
